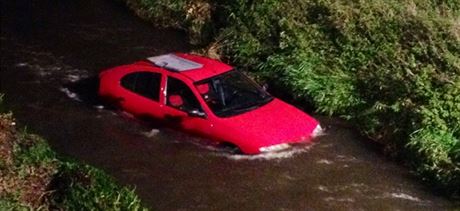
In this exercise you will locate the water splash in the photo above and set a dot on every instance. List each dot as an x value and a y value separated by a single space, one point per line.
70 94
47 65
288 153
215 149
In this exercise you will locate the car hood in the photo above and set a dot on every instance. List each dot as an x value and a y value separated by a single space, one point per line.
274 123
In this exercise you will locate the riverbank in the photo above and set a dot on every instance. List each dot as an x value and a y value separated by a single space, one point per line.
33 177
392 68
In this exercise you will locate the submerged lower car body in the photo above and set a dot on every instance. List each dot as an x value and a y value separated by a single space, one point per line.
207 98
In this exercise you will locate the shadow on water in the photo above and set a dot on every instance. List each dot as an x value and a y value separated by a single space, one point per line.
51 53
85 90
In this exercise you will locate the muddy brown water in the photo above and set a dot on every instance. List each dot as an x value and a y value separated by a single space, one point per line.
50 48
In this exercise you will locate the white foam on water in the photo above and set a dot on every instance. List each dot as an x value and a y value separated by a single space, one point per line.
73 78
70 94
319 132
350 159
324 161
324 189
75 74
329 199
151 133
288 153
42 70
403 196
99 107
46 65
218 151
21 64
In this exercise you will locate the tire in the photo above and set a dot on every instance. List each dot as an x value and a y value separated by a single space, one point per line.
230 148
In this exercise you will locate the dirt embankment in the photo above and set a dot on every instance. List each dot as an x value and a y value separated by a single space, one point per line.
33 177
22 179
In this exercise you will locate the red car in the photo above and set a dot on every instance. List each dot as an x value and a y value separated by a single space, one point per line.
207 98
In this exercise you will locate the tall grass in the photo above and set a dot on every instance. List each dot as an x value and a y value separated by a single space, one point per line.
392 67
82 187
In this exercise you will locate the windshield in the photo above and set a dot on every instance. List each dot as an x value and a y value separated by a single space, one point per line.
232 93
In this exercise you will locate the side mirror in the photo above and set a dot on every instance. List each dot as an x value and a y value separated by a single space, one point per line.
175 100
196 113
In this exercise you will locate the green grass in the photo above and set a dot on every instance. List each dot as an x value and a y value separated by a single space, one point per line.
35 178
85 187
391 67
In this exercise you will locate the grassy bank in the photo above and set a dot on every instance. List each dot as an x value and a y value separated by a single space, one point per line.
391 67
33 177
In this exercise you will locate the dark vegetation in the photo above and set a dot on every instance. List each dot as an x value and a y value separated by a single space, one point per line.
390 67
33 177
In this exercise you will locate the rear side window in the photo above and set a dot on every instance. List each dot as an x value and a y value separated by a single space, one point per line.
146 84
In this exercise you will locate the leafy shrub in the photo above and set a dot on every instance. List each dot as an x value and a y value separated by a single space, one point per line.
392 67
193 16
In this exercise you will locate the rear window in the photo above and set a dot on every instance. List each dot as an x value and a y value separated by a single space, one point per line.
146 84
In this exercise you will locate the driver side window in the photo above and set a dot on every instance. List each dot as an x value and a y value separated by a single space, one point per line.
177 87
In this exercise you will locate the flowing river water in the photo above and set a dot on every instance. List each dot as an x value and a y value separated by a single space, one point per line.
50 49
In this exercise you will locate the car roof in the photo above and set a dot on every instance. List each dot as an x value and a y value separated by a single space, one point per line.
195 67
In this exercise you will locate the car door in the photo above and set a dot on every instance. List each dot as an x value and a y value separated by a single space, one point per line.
141 94
183 116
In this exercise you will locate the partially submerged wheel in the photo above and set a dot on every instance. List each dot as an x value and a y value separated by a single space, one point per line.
230 148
